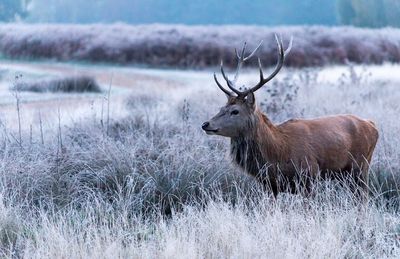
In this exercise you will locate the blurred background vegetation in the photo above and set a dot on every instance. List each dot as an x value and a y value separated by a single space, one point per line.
362 13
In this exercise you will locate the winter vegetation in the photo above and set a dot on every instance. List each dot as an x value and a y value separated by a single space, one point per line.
11 10
76 84
369 13
196 47
152 185
99 160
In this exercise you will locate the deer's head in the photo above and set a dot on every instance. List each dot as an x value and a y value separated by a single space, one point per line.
235 118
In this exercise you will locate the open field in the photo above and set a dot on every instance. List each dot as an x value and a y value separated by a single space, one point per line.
146 182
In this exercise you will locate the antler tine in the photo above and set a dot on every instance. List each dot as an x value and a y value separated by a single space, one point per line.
279 65
254 52
260 68
221 87
289 48
239 57
242 59
228 82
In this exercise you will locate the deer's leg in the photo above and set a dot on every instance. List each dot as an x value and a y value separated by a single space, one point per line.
361 179
274 187
365 175
268 182
309 173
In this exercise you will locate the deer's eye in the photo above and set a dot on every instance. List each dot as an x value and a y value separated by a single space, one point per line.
235 112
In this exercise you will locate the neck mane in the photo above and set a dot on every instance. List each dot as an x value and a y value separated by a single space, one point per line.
263 144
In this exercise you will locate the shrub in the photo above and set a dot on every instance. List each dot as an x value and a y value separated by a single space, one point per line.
66 85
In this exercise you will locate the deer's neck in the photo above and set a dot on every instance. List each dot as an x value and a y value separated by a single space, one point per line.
262 145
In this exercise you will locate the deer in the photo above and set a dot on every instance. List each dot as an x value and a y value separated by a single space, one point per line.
328 147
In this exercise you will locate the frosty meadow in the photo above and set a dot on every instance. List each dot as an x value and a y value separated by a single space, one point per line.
122 169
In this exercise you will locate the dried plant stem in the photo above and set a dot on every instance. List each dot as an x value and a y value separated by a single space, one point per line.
59 130
102 113
41 128
18 101
30 135
19 120
108 104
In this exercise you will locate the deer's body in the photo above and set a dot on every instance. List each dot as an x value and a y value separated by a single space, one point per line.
335 146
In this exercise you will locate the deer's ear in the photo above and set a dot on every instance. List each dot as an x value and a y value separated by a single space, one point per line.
251 100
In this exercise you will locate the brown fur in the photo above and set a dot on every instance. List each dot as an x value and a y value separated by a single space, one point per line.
334 144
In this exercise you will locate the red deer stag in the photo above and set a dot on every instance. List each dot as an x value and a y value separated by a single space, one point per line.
333 146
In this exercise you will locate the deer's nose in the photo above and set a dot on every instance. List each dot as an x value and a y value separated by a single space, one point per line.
205 125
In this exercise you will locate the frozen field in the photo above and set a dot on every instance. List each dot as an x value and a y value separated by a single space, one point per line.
148 183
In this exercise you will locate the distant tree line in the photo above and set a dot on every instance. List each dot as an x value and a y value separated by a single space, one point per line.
11 10
195 46
369 13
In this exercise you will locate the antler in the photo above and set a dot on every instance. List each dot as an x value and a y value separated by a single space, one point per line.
221 87
241 59
281 58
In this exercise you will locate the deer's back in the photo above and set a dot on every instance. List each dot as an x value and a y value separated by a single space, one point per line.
332 142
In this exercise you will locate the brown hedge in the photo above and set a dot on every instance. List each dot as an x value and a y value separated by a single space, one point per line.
196 46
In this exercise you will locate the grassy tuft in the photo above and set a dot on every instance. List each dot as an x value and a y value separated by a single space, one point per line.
77 84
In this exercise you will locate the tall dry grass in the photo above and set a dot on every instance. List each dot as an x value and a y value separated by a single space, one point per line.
153 185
